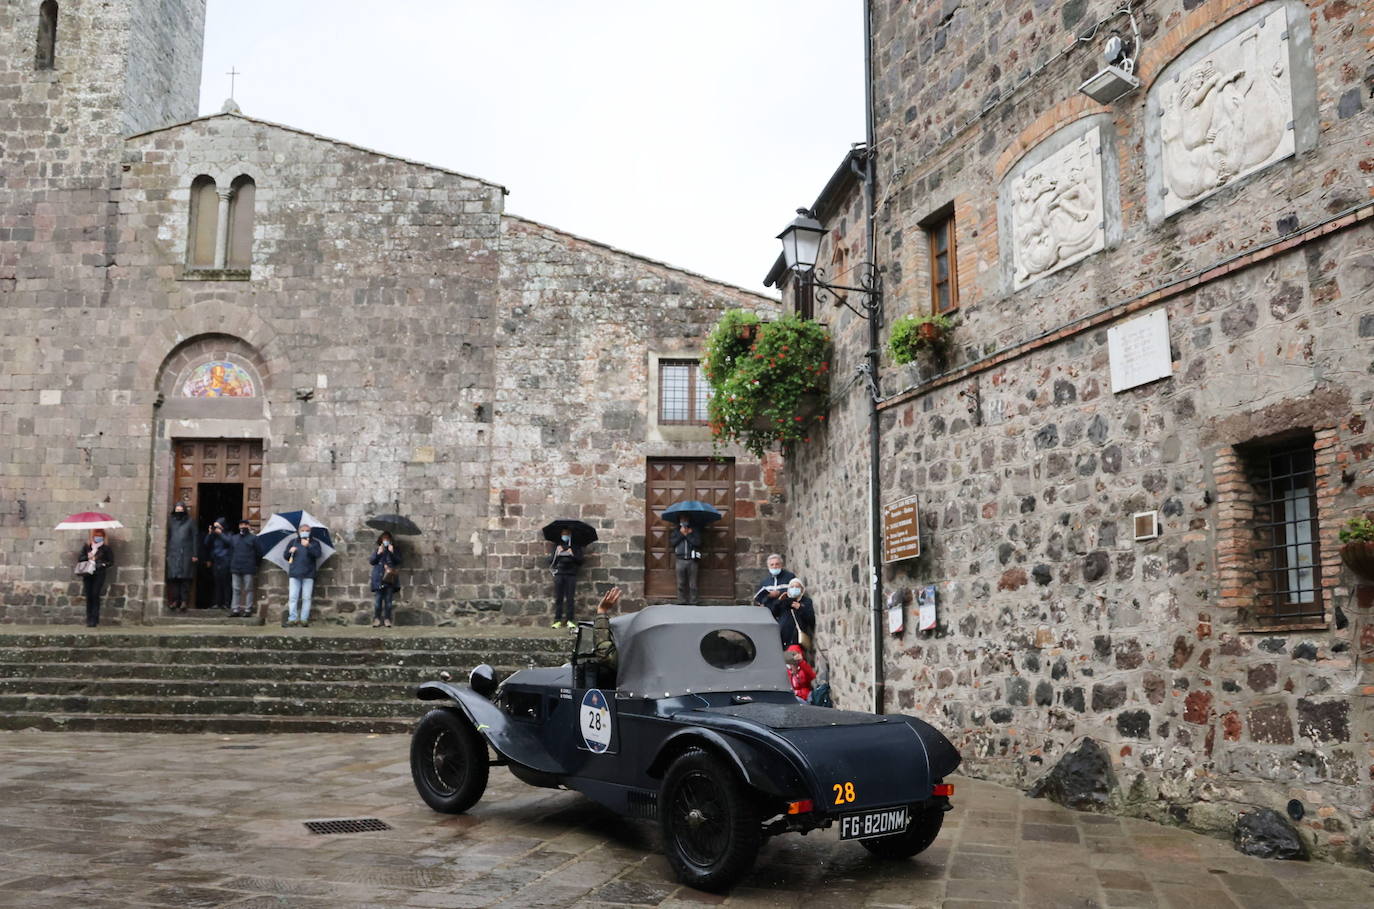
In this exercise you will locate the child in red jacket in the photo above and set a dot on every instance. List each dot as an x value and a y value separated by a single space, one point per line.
799 673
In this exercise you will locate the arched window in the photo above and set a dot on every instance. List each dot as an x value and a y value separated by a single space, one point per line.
241 222
200 244
47 34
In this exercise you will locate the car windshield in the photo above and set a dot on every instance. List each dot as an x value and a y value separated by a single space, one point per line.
728 649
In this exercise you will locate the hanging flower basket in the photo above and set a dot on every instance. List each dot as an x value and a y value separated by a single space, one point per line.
930 332
912 335
1359 558
768 389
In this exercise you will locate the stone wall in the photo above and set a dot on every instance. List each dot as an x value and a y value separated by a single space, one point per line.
413 347
1055 624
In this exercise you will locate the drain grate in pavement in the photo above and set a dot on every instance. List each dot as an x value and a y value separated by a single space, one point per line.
347 825
238 747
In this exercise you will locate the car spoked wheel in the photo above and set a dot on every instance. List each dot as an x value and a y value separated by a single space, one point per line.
448 761
710 822
924 828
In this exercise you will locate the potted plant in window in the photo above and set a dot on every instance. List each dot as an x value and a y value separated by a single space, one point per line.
770 388
1357 549
916 333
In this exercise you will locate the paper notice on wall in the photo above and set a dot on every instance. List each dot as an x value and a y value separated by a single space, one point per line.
925 601
895 619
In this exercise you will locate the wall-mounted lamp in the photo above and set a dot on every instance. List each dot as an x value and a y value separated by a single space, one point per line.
1117 78
801 244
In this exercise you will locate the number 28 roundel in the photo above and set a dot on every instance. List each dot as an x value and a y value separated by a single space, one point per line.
594 717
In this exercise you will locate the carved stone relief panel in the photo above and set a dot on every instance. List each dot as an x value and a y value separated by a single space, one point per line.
1057 210
1225 108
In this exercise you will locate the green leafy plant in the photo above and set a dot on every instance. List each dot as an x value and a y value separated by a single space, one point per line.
768 379
1358 530
912 334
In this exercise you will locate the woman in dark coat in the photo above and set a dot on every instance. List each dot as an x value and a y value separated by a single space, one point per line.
181 557
384 591
93 584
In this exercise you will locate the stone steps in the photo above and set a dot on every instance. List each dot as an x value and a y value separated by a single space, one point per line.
229 681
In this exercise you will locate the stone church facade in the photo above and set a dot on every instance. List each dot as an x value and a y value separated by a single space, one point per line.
252 318
1135 456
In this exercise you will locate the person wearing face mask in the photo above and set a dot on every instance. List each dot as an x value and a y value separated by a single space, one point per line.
386 579
795 614
181 557
686 544
98 552
774 583
243 567
217 552
564 562
302 560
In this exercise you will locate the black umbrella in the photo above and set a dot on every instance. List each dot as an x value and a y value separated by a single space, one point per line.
698 513
394 524
582 532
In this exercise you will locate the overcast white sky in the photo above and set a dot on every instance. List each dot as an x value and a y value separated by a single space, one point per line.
683 130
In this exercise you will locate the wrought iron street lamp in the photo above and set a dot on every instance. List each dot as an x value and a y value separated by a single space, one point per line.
801 244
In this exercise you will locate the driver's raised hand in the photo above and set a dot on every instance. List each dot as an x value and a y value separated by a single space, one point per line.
609 600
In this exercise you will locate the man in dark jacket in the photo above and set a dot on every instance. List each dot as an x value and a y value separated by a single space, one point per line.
243 567
795 614
217 551
686 544
303 559
566 559
181 557
774 584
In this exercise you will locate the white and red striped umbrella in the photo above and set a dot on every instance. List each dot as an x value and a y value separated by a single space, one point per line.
89 520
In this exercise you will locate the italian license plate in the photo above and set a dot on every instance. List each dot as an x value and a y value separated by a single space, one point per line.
883 822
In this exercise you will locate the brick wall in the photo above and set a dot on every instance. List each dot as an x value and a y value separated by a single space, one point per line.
1054 623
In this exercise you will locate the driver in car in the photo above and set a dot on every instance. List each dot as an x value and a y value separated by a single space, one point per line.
603 645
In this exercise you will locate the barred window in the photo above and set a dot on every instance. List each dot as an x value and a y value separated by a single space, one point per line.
1287 561
682 392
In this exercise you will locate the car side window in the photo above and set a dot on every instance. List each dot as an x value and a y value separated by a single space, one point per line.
726 648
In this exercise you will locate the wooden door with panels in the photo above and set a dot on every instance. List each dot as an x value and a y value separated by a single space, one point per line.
673 480
218 478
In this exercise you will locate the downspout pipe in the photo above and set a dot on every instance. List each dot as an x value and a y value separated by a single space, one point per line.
875 320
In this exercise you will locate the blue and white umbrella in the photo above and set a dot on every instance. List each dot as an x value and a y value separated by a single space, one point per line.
281 529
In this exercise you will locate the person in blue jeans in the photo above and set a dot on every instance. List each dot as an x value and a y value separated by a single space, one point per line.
386 580
302 561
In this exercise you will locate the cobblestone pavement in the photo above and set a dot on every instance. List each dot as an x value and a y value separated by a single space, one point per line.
98 821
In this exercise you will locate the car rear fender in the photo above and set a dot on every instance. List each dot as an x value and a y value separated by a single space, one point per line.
512 740
763 768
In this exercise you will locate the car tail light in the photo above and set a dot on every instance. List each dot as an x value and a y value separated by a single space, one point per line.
945 789
801 807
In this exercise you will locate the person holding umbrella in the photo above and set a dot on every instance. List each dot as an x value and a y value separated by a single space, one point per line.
95 558
686 543
569 539
181 557
386 579
303 557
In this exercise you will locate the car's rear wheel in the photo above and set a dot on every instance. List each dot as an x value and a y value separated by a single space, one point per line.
448 761
710 821
924 828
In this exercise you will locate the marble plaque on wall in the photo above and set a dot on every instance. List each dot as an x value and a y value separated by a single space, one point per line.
1139 351
1056 210
1226 115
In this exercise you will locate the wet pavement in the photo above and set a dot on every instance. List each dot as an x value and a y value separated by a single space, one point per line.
98 821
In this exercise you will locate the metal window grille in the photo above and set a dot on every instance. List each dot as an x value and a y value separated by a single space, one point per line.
347 825
1287 561
682 392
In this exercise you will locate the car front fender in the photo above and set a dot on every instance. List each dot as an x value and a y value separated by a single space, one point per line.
763 768
509 738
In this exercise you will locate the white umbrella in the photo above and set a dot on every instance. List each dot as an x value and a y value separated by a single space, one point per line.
280 530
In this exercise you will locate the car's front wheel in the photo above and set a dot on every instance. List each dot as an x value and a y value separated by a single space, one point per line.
448 761
924 828
710 821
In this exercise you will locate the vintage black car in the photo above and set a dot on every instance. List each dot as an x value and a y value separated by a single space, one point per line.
701 732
